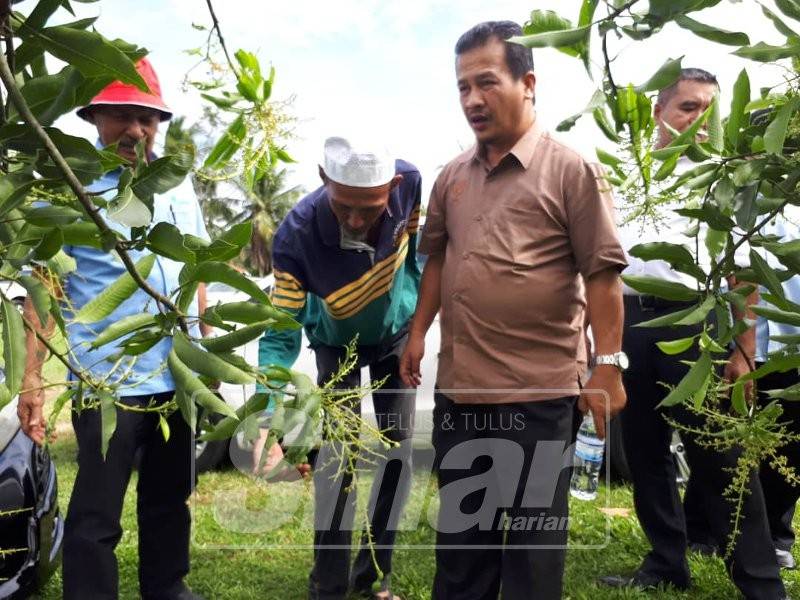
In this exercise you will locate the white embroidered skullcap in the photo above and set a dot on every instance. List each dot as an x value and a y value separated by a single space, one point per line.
357 165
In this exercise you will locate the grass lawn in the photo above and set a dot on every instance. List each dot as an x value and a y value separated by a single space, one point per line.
235 554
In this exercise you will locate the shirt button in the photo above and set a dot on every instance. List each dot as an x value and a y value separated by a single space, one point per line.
456 296
465 256
479 218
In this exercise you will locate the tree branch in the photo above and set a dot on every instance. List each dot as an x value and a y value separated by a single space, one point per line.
21 105
221 39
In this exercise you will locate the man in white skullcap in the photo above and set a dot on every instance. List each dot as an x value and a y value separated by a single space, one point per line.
345 265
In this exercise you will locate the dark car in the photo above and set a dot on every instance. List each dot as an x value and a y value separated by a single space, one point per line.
31 528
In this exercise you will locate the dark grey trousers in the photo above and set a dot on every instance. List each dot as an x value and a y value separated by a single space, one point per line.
334 502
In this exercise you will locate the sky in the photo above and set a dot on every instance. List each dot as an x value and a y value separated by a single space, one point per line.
384 69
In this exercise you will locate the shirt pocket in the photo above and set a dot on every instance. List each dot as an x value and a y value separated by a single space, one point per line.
527 234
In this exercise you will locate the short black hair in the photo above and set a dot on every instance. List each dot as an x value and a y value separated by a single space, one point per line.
519 59
687 74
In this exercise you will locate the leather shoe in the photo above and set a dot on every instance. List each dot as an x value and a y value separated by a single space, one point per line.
641 581
785 559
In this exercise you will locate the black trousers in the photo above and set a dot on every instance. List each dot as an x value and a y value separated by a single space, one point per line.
92 527
647 436
498 531
334 502
780 495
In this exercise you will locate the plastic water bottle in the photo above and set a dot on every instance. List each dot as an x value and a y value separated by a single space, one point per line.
588 458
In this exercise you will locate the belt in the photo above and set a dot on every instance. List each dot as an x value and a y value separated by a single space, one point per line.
647 302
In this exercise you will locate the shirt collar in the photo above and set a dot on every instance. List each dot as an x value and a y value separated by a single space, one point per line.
522 151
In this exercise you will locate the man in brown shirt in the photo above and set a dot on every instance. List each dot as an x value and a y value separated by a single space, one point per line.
521 242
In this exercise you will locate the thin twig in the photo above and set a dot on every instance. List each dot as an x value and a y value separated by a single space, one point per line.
21 105
221 39
54 352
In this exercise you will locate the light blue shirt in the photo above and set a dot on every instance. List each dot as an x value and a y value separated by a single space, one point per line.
96 270
788 228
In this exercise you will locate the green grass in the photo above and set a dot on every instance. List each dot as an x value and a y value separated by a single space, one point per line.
267 565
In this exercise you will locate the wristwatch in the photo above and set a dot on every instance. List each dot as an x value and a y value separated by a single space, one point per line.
618 359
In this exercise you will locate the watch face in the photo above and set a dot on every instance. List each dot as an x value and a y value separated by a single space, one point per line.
622 361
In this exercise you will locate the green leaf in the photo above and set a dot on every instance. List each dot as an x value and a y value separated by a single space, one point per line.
762 52
38 17
166 240
546 28
766 274
715 242
667 74
745 206
82 234
668 166
748 171
163 174
562 40
79 153
779 364
50 245
39 296
791 393
14 349
738 400
671 290
597 100
679 257
688 316
128 210
607 158
122 327
738 116
108 420
692 381
674 347
724 193
708 214
601 119
791 8
194 390
216 271
713 34
206 363
791 339
716 138
775 135
669 152
50 216
779 24
775 314
164 427
227 145
90 53
14 188
109 299
236 338
249 312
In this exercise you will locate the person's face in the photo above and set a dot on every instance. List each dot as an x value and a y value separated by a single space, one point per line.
125 125
689 101
493 102
357 209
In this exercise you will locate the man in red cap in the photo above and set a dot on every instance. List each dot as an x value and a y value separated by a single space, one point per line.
124 115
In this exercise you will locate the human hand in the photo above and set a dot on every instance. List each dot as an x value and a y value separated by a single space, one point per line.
608 379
